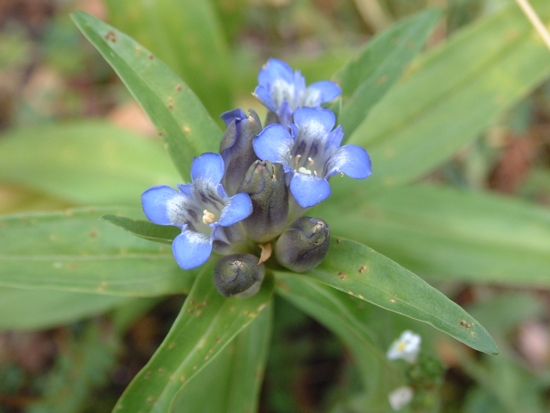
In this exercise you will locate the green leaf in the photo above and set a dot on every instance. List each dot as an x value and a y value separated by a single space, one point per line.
236 374
206 324
26 309
346 317
144 229
454 234
86 162
450 95
368 275
367 78
75 251
188 37
177 113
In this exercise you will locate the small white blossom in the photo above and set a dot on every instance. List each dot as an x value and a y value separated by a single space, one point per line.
400 397
405 347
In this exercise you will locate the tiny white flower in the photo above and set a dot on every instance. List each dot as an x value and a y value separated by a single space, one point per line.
400 397
405 347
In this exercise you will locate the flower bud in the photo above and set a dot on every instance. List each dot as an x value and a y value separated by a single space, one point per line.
303 245
265 183
236 146
238 275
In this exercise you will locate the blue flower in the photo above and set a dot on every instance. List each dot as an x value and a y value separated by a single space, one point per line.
283 90
202 210
311 153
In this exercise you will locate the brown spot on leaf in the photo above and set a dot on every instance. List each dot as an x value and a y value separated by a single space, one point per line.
110 36
342 276
362 269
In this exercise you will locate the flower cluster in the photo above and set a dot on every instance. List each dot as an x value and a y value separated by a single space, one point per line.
246 201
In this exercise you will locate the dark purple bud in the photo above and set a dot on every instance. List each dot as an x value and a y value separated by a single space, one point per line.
303 245
238 275
265 183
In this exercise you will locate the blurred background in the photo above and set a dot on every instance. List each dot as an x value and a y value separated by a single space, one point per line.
50 76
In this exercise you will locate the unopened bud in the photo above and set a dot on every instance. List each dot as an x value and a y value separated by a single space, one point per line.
236 146
265 183
303 245
238 275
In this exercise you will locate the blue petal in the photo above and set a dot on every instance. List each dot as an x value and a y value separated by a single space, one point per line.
208 167
352 160
186 190
274 144
274 70
264 96
155 202
314 122
334 139
238 208
309 190
230 116
191 249
320 92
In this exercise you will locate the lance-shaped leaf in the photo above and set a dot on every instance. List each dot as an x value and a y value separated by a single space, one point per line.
370 276
187 36
144 229
75 251
236 374
177 113
85 162
366 79
28 309
470 235
448 97
206 324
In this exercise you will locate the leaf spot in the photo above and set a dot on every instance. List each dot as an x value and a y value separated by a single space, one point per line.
151 56
111 36
170 106
178 88
362 269
138 49
392 300
93 234
161 370
187 129
182 379
338 240
465 324
150 399
342 276
171 346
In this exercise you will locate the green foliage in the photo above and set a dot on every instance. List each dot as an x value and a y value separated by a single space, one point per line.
177 113
59 267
